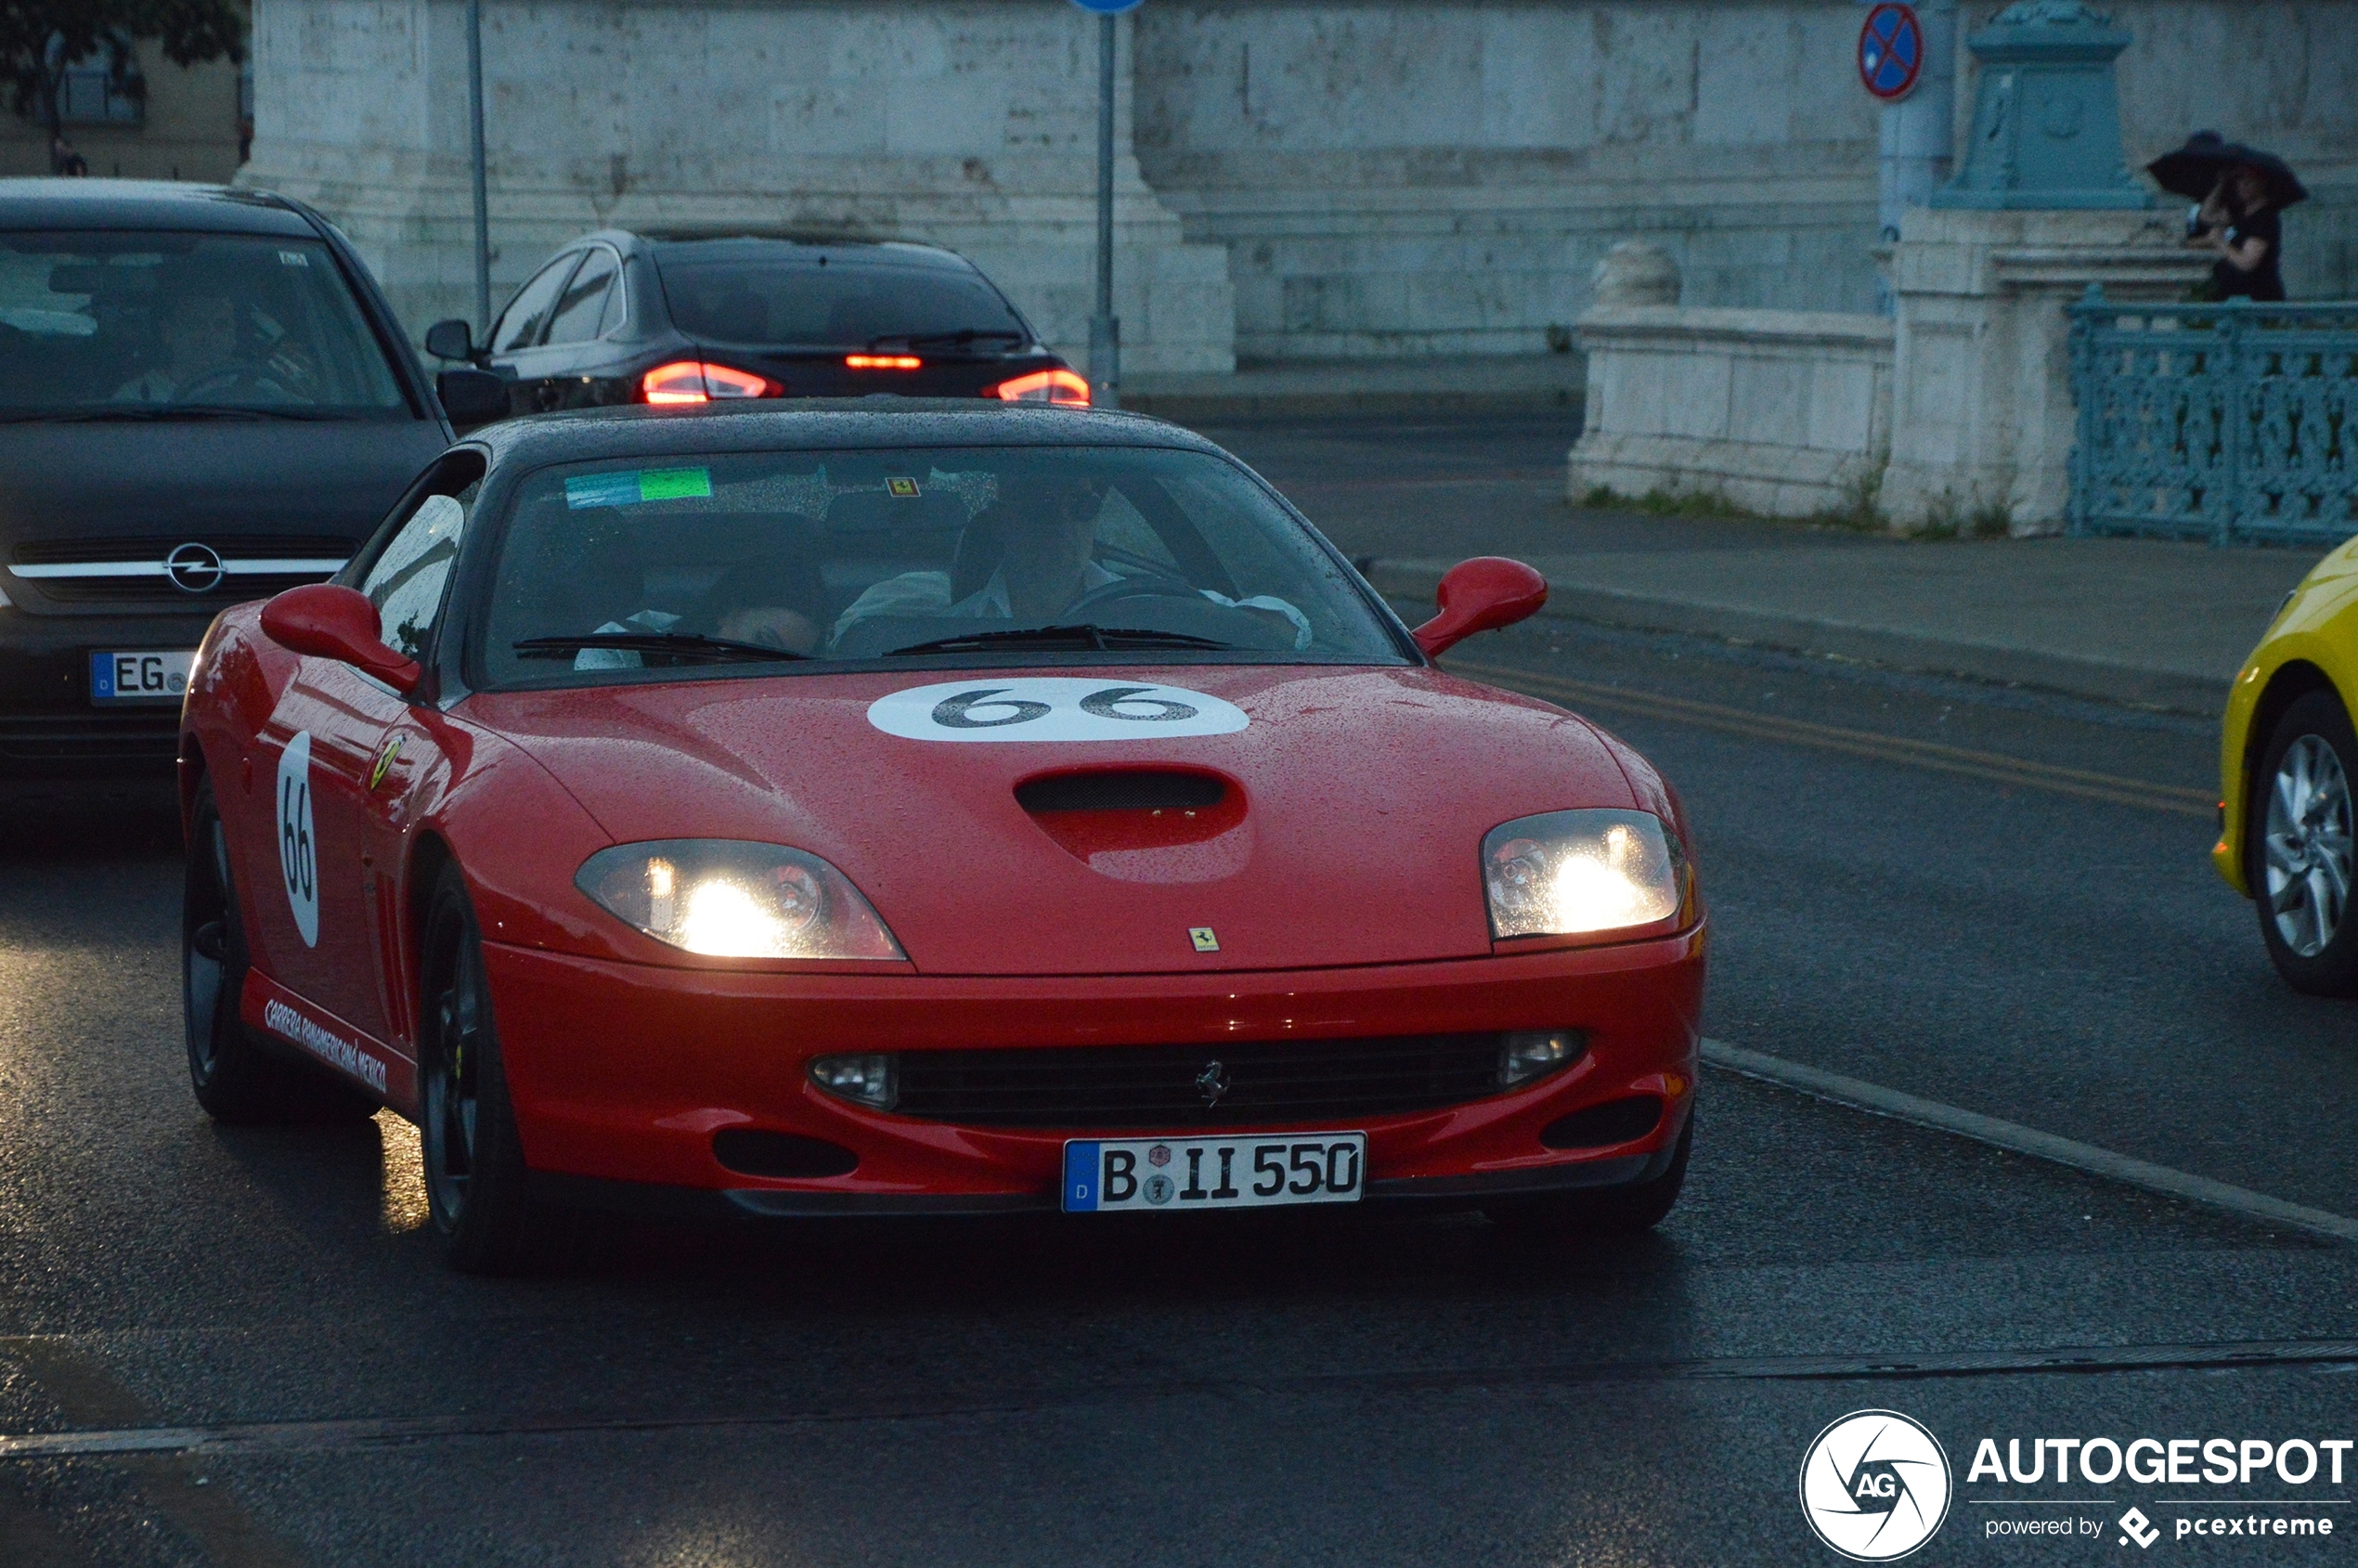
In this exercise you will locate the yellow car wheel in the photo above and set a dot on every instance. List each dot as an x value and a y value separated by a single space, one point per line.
2301 851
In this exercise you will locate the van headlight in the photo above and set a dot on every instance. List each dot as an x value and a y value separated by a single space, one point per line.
726 897
1567 873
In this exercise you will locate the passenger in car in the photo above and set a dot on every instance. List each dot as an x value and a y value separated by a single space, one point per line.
749 604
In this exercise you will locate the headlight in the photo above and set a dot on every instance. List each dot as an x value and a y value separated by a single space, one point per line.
1570 871
732 900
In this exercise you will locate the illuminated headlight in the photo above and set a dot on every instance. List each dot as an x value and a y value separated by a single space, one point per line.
1529 1052
1571 871
728 899
866 1080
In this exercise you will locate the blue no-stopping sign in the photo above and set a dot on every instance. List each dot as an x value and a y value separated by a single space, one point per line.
1891 50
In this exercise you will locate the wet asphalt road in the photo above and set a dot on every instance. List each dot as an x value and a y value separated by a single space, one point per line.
1372 1389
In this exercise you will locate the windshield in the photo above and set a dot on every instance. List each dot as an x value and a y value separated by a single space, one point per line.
784 300
800 560
159 325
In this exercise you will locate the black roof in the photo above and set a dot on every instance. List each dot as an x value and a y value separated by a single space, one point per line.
820 423
724 244
165 205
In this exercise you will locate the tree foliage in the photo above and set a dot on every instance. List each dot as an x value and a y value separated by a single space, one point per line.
39 38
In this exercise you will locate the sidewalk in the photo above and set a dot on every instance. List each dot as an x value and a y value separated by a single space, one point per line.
1466 384
2136 621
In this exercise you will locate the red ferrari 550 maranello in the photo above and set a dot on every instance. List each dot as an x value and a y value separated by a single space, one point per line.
868 810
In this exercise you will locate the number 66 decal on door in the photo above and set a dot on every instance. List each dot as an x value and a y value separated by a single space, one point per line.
1051 709
298 851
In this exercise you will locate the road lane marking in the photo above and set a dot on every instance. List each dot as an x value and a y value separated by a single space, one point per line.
1991 765
1861 1096
235 1439
69 1373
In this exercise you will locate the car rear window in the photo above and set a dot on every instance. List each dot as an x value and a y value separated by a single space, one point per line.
787 300
159 324
1011 556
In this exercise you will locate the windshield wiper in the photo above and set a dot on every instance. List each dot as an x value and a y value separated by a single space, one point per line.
679 644
958 339
156 413
1093 639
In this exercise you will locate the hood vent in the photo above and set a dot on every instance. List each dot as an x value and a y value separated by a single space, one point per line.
1143 824
1128 789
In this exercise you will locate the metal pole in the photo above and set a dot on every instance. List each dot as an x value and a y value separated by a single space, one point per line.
483 203
1104 328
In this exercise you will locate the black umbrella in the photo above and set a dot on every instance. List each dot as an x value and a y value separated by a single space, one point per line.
2194 170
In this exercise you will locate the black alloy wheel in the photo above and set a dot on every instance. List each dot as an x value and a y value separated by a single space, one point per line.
1599 1213
475 1178
2298 854
237 1078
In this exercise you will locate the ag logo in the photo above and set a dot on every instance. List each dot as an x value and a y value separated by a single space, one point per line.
1051 709
1874 1486
298 851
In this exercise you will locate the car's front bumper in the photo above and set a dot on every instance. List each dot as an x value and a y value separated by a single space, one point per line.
621 1074
49 728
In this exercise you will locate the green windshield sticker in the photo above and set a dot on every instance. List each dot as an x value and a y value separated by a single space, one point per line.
630 488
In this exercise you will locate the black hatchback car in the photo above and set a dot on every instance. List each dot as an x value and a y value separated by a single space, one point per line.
203 400
621 318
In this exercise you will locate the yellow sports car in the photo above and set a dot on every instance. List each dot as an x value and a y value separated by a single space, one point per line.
2286 756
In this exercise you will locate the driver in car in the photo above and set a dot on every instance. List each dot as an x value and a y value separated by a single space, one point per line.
200 357
1051 526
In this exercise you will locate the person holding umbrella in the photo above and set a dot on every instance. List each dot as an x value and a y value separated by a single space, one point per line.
2243 193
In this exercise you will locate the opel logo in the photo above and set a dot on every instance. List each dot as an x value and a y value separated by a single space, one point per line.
1213 1083
194 568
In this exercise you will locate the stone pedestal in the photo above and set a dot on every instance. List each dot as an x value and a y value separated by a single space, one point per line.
1982 419
971 125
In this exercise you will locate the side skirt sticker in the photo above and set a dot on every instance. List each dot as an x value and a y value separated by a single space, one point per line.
271 1007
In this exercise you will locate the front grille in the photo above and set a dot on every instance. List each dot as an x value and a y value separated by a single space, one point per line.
234 587
134 736
1275 1081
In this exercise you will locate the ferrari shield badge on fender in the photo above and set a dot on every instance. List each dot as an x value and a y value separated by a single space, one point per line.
385 761
1205 939
1051 709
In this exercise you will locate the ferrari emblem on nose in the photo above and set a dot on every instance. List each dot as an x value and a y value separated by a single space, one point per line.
1213 1083
1204 938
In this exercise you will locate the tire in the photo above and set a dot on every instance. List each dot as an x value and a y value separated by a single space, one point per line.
2299 856
1601 1212
475 1168
236 1079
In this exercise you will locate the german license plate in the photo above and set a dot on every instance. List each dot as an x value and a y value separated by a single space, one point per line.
140 676
1171 1175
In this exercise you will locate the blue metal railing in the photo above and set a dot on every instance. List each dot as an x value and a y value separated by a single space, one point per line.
2228 423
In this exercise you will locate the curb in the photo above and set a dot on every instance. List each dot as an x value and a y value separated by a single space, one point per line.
2128 685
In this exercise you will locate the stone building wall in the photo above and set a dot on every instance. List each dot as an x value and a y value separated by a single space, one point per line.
972 125
1312 178
1438 178
187 131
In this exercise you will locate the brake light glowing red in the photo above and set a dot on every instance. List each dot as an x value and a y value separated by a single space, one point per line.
884 362
693 381
1067 389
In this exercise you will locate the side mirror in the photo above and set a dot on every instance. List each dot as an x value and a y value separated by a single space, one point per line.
450 339
471 397
332 622
1482 594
